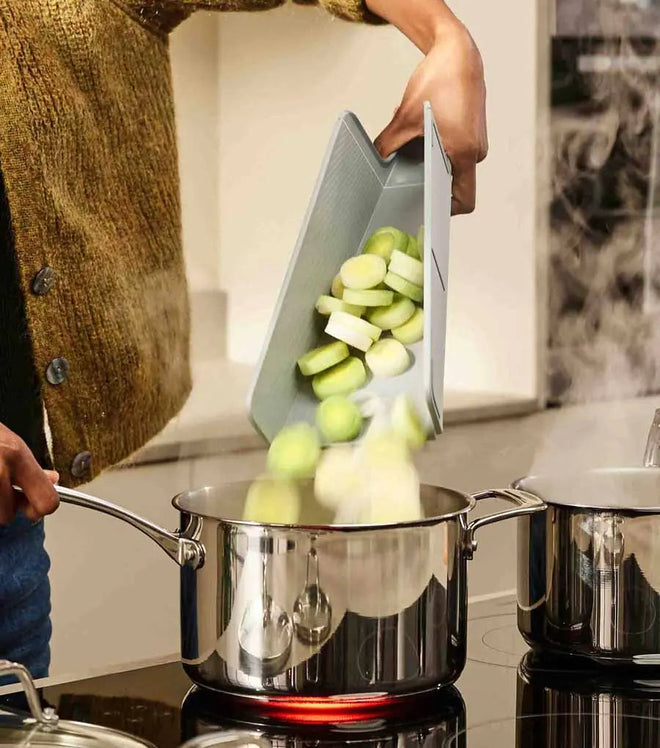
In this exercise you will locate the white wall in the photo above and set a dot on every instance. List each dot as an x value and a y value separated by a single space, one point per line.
285 76
194 52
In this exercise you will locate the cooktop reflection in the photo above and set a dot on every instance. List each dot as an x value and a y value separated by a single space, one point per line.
506 698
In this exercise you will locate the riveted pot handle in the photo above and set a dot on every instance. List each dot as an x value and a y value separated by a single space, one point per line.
525 503
185 550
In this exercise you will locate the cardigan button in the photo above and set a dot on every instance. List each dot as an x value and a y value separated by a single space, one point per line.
43 281
81 464
57 371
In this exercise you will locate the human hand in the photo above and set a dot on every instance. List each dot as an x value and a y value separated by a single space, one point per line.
19 468
451 78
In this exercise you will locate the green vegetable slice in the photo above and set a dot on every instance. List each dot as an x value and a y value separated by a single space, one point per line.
363 271
322 358
394 315
412 330
338 419
295 451
328 304
384 240
371 297
342 379
404 287
272 501
413 249
420 242
337 287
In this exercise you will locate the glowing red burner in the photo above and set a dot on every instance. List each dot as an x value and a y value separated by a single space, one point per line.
321 710
331 709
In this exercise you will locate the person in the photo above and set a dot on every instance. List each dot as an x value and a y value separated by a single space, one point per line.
94 321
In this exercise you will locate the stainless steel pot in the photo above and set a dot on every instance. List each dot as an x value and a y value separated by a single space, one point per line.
589 567
44 728
317 609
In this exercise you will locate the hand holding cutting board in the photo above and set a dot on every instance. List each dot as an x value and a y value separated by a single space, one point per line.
451 77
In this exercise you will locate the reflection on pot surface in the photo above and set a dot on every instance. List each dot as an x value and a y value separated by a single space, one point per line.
311 609
560 707
283 611
430 720
589 568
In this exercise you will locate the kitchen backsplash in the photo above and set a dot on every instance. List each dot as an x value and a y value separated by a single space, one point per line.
604 245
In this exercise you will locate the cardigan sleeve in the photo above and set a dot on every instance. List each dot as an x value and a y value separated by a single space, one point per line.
164 15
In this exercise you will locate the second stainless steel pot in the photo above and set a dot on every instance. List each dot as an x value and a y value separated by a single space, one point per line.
314 609
589 567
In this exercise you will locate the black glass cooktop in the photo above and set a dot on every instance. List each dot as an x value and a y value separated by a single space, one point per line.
505 698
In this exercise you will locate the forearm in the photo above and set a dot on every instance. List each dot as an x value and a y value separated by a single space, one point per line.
422 21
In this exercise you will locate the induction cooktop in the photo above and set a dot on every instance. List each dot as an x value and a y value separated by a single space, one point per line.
507 697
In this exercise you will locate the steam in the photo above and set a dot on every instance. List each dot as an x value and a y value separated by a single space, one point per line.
604 244
604 274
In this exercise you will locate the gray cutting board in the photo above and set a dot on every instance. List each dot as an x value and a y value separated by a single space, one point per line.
357 192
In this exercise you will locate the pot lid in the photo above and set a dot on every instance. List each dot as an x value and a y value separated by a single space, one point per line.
15 730
626 489
44 728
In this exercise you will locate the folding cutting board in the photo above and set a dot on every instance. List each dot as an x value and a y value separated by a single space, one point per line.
357 192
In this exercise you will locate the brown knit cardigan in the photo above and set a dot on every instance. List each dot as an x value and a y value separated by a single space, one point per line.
88 155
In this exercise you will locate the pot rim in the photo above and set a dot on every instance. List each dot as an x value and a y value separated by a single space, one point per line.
591 507
470 503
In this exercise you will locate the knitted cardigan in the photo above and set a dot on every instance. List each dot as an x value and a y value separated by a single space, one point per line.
88 155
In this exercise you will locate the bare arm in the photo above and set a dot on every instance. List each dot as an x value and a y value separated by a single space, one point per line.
451 77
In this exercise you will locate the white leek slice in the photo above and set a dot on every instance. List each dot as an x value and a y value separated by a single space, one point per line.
328 304
352 337
382 447
357 324
394 495
363 271
407 267
407 423
370 404
337 477
388 358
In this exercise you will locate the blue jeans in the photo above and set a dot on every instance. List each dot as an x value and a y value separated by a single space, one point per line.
25 627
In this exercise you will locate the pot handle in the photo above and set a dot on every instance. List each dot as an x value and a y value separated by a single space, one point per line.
186 551
526 503
45 716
